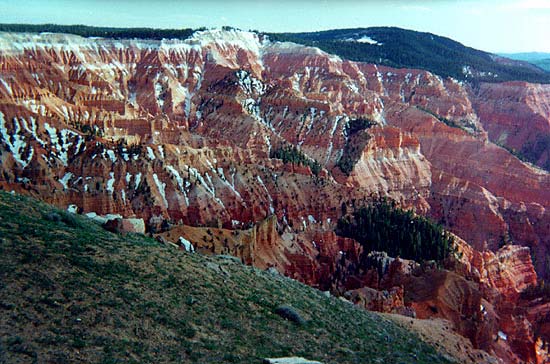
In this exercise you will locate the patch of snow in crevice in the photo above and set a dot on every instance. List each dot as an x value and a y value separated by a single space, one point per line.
18 145
332 131
353 87
161 186
186 244
132 98
268 143
150 153
137 181
111 155
159 90
65 180
209 188
271 209
6 86
180 182
232 184
312 112
368 40
296 82
111 183
63 144
250 84
32 129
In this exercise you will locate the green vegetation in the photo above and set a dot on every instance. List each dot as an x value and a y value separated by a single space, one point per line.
402 48
541 60
353 126
73 292
537 150
382 226
540 290
544 64
357 138
291 154
104 32
532 152
463 124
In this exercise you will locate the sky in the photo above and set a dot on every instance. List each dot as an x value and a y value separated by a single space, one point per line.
505 26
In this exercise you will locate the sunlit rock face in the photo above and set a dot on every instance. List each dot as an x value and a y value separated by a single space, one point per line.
181 134
517 115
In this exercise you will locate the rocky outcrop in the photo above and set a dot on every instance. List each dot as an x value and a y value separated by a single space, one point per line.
319 258
388 301
517 115
480 295
290 360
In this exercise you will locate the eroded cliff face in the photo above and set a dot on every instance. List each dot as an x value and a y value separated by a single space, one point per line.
517 115
180 134
478 293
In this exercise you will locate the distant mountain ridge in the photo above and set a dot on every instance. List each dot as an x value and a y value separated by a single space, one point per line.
401 48
540 59
389 46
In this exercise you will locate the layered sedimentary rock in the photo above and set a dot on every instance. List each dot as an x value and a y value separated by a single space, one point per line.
517 115
181 133
479 294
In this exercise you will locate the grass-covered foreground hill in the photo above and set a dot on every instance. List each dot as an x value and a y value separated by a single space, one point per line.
72 292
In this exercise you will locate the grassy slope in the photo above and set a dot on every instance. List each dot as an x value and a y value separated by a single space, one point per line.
72 292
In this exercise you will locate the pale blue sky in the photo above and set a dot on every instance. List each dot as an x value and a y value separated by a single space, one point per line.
495 26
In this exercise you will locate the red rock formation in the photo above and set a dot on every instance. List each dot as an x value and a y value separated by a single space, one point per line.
179 132
517 115
390 301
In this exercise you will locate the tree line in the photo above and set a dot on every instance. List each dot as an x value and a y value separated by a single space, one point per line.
383 226
103 32
291 154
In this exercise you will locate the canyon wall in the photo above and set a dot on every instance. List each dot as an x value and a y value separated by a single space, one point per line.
181 134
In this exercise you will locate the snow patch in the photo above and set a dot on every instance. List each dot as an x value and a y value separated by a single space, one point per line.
62 144
111 155
186 244
65 180
159 89
137 181
111 183
180 182
368 40
16 143
6 86
150 153
162 189
271 209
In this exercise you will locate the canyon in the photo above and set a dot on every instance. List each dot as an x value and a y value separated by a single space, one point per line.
180 133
